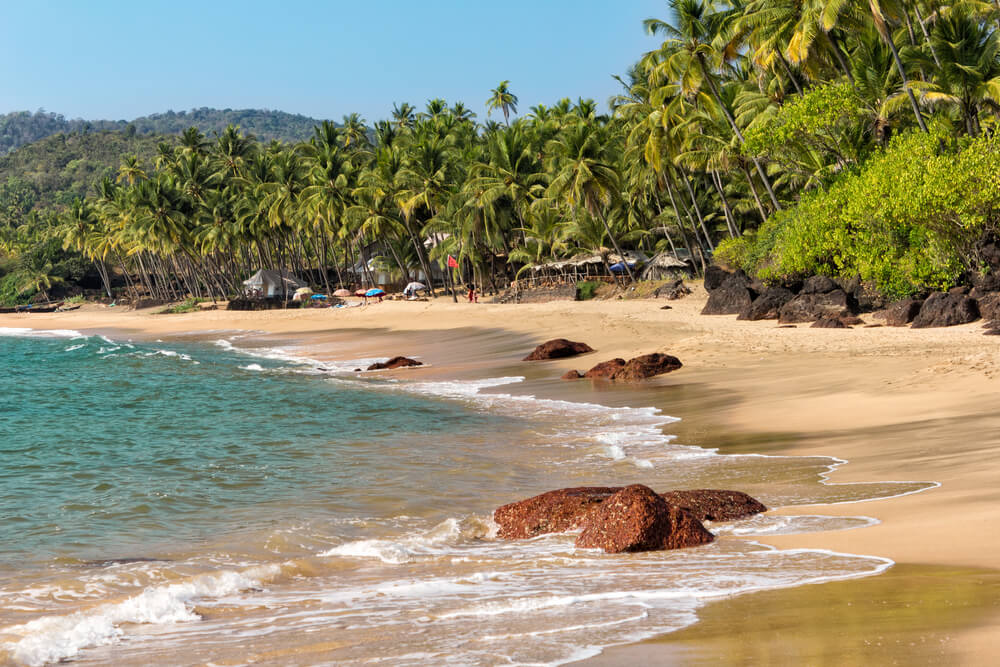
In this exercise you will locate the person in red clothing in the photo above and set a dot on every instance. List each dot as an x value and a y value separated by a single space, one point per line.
473 297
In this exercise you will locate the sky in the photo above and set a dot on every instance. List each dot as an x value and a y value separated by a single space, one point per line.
121 60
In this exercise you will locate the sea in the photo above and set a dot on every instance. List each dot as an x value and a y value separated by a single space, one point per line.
228 501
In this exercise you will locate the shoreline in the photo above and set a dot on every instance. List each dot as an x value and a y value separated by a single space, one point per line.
894 403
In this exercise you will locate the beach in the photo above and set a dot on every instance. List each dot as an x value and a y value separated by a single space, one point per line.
895 405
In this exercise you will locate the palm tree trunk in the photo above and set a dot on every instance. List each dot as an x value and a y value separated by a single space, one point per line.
883 31
730 223
697 211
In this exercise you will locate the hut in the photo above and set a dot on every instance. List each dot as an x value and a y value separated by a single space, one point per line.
267 283
665 265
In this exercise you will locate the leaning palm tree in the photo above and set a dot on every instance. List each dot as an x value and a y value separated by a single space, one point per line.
501 98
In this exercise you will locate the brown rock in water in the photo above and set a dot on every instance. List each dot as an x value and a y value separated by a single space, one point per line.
715 504
558 348
605 369
395 362
571 375
552 512
944 309
646 366
637 519
900 313
829 323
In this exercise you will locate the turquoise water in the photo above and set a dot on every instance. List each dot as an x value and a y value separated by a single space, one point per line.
114 449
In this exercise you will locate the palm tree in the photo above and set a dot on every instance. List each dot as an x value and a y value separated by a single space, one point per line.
501 98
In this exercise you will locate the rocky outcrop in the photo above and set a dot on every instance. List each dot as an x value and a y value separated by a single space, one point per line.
714 277
819 285
817 306
571 375
715 504
989 306
605 369
558 348
552 512
636 368
900 313
944 309
829 323
731 297
672 290
767 305
637 519
395 362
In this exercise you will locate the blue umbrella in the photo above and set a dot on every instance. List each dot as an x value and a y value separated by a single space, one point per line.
375 292
318 296
619 267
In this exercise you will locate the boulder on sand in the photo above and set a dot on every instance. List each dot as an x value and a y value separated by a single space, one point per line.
829 323
731 297
637 519
816 306
395 362
714 277
605 369
558 348
900 313
552 512
715 504
944 309
636 368
767 305
571 375
989 306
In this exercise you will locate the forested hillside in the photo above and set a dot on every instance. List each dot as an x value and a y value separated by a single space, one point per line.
23 127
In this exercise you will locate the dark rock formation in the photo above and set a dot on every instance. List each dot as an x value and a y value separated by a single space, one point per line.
943 309
605 369
816 306
829 323
715 504
636 368
767 305
637 519
851 320
714 277
672 291
900 313
552 512
819 285
731 297
558 348
395 362
989 306
571 375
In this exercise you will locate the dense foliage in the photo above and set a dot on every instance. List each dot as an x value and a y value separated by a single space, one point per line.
23 127
847 138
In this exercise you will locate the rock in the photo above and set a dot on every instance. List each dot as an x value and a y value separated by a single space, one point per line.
637 368
989 306
605 369
637 519
819 285
943 309
395 362
552 512
672 291
357 370
666 307
816 306
715 504
767 305
873 326
647 366
829 323
900 313
988 282
851 320
571 375
731 297
787 326
714 277
558 348
959 289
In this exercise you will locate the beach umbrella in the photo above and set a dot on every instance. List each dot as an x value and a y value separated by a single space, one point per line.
318 296
375 291
361 292
414 286
303 290
342 292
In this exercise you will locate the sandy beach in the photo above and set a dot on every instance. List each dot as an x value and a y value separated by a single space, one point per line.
895 404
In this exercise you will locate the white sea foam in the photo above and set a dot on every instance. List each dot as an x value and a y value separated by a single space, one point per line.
252 367
40 333
56 638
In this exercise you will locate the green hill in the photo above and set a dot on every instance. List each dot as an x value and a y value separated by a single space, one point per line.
20 128
58 168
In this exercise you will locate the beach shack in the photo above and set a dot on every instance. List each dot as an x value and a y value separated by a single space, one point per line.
268 284
664 266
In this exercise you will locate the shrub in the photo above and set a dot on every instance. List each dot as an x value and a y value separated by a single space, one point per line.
585 289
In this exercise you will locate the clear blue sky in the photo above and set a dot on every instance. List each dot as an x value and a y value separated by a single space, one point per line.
120 60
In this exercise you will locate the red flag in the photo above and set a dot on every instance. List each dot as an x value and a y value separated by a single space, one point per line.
452 262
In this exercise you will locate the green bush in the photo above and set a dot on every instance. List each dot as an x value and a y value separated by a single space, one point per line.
585 289
906 220
186 306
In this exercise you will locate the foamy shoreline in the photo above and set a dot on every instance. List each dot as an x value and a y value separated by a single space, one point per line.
828 388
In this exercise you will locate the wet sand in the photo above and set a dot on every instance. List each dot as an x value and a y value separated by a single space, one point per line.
898 404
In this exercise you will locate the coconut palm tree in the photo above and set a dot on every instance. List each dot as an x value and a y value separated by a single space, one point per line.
501 98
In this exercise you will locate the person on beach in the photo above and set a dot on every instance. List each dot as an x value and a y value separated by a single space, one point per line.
473 297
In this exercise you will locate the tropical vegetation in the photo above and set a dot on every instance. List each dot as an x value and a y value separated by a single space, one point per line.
785 137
